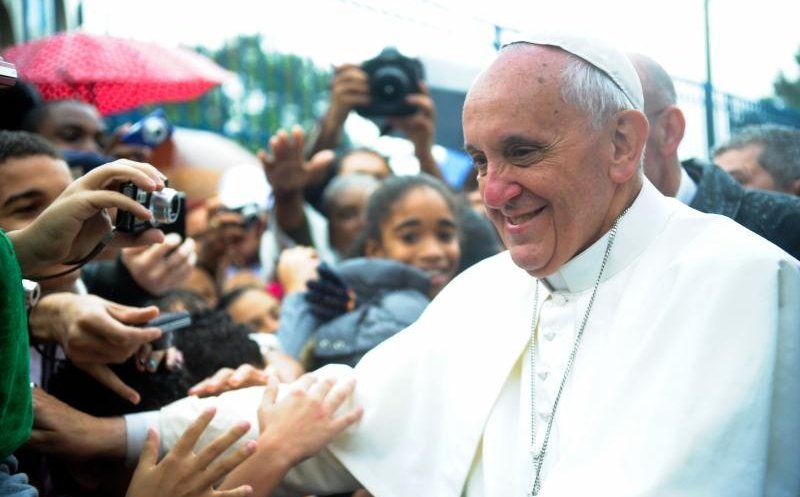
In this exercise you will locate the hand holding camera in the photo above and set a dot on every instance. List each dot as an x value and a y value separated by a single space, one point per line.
77 222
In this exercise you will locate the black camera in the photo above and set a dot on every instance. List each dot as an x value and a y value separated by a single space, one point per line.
392 76
169 322
166 206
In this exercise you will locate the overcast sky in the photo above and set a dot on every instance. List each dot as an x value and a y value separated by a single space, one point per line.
751 41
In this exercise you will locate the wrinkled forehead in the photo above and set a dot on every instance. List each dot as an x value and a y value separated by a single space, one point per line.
522 64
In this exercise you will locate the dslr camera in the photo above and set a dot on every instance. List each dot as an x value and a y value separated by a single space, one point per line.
166 206
151 131
392 76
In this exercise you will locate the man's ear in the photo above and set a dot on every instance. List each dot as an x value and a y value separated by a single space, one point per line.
628 138
674 123
373 249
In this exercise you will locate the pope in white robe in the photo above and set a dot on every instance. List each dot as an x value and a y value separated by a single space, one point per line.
686 379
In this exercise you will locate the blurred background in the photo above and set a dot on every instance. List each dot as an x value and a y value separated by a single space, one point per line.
735 63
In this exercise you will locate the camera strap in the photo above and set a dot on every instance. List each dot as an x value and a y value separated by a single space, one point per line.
75 265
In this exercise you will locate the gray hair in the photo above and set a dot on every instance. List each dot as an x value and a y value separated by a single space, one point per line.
780 155
586 87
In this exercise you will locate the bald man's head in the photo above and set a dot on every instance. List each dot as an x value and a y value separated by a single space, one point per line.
667 124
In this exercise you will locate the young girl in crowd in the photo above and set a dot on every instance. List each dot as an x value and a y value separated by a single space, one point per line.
408 252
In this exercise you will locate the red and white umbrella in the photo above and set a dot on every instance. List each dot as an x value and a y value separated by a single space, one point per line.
114 74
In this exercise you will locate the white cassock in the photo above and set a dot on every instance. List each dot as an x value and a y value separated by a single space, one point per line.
686 382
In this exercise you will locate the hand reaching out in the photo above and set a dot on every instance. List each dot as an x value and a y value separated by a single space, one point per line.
184 473
296 266
305 421
94 332
294 428
286 168
161 267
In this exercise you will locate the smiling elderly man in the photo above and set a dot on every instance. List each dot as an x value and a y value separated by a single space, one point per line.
624 345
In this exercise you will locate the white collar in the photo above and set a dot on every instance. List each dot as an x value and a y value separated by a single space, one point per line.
644 220
687 188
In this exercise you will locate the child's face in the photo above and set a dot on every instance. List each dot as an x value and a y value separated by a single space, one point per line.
421 231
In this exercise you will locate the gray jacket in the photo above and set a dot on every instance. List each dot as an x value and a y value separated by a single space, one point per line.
390 296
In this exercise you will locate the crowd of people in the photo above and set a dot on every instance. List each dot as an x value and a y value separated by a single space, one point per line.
607 318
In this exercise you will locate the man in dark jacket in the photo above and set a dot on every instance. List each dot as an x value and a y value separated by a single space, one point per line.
704 186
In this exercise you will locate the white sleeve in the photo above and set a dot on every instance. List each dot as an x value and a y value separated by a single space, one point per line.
319 474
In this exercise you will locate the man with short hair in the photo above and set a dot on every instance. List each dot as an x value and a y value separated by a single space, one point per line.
703 186
623 345
765 156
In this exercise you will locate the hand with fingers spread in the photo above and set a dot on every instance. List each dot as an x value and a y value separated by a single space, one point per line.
288 174
226 379
286 167
76 222
94 332
184 473
294 428
161 267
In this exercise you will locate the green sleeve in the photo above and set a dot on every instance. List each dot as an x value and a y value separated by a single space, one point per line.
16 407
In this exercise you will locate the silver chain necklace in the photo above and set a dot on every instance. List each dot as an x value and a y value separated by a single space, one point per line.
537 457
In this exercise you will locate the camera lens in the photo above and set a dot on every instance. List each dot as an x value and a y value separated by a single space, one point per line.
165 206
390 83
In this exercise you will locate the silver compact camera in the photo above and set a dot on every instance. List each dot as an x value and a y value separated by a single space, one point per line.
166 206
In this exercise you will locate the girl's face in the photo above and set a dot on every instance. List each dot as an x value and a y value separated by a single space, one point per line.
421 231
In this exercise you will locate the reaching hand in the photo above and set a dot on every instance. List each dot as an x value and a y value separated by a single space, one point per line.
296 266
329 296
184 473
226 379
94 332
286 168
161 267
296 427
305 421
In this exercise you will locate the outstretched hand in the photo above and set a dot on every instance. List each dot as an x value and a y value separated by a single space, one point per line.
294 428
305 421
95 332
161 267
184 473
287 171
